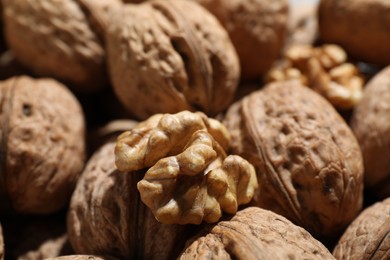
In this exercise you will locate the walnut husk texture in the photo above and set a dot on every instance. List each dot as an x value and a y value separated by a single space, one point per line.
164 59
308 163
368 235
371 126
59 39
42 126
107 218
361 27
257 29
255 233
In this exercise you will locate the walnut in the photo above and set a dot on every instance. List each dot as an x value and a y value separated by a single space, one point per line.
190 178
41 143
106 207
60 39
368 235
165 59
257 29
371 125
325 69
361 27
308 163
1 244
79 257
255 233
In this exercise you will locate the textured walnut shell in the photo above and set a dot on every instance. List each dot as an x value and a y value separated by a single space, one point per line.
165 59
361 27
106 216
35 238
368 235
371 125
42 145
79 257
308 163
60 39
255 233
257 29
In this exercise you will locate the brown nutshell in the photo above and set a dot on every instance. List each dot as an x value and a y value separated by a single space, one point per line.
106 207
164 59
308 163
361 27
371 126
255 233
368 235
42 145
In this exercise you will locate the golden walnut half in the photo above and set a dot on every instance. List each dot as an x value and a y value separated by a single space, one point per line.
42 145
308 162
324 69
169 56
254 233
368 235
60 39
190 178
371 125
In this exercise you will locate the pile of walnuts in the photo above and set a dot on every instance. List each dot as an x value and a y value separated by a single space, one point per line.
194 129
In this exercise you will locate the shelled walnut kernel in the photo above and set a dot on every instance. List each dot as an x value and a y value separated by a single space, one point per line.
190 178
324 69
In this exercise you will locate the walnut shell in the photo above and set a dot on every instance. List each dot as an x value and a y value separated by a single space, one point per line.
361 27
106 207
165 59
308 163
42 145
371 125
368 235
59 39
257 29
255 233
79 257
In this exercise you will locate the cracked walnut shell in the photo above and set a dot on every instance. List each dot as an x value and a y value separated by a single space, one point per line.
190 178
371 126
164 58
60 39
324 69
41 145
368 235
106 216
308 163
255 233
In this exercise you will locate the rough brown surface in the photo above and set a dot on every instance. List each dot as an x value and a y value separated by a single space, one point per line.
368 235
257 29
1 244
59 39
80 257
165 59
361 27
191 178
42 145
255 233
371 125
308 163
107 217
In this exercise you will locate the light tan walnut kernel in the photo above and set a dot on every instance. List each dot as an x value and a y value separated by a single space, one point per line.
324 69
190 178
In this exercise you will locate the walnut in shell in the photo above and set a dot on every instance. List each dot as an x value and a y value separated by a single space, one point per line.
255 233
368 235
190 178
106 216
41 143
371 125
361 27
164 58
257 29
308 163
60 39
324 69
